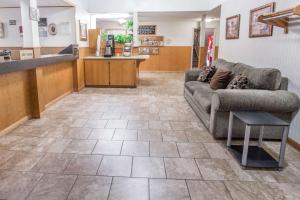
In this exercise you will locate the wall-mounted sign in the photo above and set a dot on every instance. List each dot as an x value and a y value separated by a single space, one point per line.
12 22
147 29
52 29
43 22
34 14
2 35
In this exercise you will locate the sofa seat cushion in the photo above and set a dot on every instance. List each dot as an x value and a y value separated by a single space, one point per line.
203 99
193 86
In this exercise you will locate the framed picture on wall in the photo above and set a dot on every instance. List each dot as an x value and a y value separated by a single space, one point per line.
233 27
256 28
83 30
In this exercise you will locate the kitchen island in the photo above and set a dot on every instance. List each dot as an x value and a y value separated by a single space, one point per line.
117 71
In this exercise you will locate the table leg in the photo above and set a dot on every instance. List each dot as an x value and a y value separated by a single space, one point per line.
246 145
283 145
230 129
261 135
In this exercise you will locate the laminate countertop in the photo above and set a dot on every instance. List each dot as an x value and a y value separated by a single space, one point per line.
139 57
44 60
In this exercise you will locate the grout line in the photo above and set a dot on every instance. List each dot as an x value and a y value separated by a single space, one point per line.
131 166
188 188
149 189
72 187
100 165
165 168
37 182
112 179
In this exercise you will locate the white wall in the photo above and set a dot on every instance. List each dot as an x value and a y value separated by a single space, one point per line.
81 14
12 36
279 51
97 6
176 33
59 15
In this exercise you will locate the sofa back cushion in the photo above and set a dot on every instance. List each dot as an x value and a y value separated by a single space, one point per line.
221 63
259 78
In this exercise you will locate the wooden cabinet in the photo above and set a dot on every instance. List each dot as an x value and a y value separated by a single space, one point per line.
115 73
96 72
122 73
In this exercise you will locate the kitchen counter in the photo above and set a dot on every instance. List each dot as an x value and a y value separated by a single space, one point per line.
116 71
44 60
139 57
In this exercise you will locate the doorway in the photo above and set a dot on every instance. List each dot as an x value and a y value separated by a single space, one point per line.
196 46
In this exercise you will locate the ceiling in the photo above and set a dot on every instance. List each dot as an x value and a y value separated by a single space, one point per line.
152 16
16 3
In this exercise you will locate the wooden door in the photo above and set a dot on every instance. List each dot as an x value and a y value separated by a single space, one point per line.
123 73
96 72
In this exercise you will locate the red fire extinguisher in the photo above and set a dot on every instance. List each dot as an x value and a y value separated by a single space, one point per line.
209 57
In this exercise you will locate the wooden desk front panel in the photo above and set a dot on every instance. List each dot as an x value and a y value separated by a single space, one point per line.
123 73
96 72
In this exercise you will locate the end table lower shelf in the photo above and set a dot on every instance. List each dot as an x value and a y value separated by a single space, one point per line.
257 157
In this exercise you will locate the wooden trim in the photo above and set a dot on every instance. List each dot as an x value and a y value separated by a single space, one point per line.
58 99
14 125
294 144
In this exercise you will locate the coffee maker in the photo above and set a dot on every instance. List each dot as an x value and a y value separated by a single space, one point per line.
110 46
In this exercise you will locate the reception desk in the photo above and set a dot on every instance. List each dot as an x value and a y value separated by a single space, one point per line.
116 71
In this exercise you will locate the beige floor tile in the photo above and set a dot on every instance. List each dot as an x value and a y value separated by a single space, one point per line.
108 147
163 149
91 187
78 133
192 150
95 123
115 166
137 124
181 125
181 168
56 132
117 124
59 145
17 185
84 165
133 148
78 122
194 135
7 141
252 190
216 169
174 136
149 135
148 167
203 190
159 125
110 116
129 189
216 150
163 189
290 191
53 163
29 131
53 186
22 161
80 146
5 155
102 134
125 134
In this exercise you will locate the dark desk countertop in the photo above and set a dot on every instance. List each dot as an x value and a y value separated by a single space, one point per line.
20 65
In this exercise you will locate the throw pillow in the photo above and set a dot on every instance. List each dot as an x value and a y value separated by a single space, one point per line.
239 82
207 73
220 79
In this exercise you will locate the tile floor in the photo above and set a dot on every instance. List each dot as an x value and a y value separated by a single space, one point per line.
142 143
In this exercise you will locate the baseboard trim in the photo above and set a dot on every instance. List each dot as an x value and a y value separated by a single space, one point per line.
14 125
57 99
294 144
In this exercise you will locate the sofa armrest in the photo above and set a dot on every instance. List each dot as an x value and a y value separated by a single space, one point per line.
191 75
255 100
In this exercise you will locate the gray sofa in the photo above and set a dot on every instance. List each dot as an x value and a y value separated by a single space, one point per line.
213 106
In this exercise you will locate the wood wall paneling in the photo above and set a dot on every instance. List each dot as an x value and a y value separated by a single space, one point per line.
202 58
170 58
96 72
123 73
78 71
14 98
